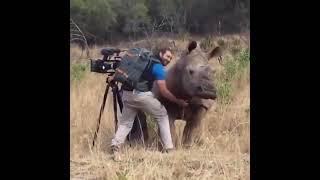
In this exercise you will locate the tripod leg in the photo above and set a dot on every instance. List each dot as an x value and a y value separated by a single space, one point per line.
115 110
101 111
119 98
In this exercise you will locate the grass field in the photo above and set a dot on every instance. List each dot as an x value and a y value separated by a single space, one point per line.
224 155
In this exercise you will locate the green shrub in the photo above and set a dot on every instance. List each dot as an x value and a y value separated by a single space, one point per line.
230 69
233 68
224 92
243 58
77 71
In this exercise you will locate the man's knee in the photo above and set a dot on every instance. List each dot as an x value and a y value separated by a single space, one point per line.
161 113
126 124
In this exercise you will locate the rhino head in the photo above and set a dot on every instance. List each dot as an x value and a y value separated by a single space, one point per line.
193 73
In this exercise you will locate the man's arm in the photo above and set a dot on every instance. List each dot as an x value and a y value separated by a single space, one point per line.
110 78
167 94
159 74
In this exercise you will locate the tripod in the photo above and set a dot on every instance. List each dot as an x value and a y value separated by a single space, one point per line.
117 99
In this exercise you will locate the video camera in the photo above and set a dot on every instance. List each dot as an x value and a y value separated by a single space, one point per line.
108 64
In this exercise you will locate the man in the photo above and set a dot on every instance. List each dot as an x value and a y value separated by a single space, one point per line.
144 100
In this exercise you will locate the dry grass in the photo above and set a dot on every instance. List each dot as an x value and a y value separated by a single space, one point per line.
224 155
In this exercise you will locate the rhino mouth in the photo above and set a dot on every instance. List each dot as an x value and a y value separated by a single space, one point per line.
206 92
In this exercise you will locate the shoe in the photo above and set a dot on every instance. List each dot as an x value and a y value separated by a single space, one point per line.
115 153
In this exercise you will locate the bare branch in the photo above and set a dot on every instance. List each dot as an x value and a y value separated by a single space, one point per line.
82 39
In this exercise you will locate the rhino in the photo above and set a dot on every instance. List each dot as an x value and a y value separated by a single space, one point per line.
191 78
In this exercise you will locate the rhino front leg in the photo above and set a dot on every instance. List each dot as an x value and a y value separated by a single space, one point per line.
173 133
193 130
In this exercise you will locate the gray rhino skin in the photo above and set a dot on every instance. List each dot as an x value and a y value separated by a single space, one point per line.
191 79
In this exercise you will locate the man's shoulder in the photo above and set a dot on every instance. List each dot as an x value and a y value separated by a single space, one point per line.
158 71
157 67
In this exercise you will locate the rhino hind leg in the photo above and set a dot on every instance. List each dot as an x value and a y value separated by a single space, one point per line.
135 135
193 131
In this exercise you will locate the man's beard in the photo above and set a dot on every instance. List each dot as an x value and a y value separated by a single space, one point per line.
165 62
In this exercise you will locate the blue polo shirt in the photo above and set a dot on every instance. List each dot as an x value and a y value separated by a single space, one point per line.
158 72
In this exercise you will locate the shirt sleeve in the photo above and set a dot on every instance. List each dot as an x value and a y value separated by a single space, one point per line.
158 72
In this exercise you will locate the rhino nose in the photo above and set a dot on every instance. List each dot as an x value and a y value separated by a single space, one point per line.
207 87
206 93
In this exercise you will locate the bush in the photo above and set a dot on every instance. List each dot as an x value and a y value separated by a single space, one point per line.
224 92
243 58
77 71
230 69
233 69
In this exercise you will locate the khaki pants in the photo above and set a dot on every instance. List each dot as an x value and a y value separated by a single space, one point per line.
145 101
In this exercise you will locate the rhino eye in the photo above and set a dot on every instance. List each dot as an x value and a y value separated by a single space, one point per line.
191 72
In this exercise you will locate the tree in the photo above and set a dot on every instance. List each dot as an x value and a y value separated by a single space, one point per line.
102 20
93 16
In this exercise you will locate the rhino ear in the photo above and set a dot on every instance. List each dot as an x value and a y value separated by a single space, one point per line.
216 52
191 46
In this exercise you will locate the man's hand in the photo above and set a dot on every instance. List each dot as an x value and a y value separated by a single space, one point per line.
110 78
167 94
182 103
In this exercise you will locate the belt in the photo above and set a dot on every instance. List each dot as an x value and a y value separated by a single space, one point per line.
141 92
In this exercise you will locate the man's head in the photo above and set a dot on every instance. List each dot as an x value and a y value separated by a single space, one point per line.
165 55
